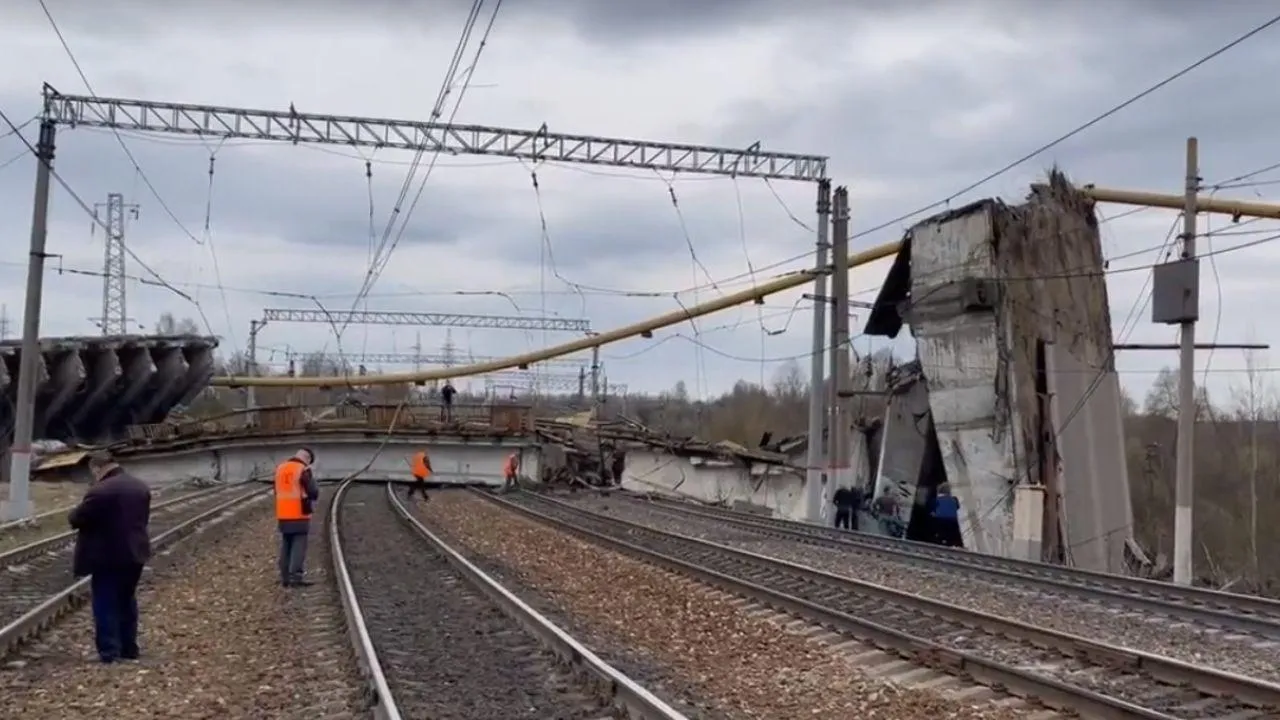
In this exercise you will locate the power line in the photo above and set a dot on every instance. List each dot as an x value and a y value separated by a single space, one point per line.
381 258
1075 131
123 145
158 279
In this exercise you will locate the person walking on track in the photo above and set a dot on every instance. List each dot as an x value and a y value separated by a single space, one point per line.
112 546
420 466
296 496
511 471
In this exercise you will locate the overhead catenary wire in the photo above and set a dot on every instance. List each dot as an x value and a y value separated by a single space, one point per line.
778 284
384 251
437 110
213 253
1277 18
158 279
66 47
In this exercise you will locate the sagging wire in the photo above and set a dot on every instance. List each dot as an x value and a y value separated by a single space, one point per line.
1217 286
437 110
700 374
66 47
375 271
53 173
13 159
207 239
373 236
547 254
785 208
751 269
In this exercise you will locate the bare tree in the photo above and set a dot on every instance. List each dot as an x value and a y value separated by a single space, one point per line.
1254 402
1162 398
169 325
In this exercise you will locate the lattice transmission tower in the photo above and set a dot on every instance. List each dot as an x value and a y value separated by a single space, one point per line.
115 318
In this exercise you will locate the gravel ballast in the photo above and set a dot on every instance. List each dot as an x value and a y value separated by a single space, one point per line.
1096 621
741 663
220 639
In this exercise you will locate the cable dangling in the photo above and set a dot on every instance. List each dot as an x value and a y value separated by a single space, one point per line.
208 240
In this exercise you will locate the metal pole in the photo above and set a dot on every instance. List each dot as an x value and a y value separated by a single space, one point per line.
841 422
595 382
816 473
251 398
1185 493
24 424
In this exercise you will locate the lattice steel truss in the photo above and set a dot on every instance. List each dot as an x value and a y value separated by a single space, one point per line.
371 317
529 381
537 145
115 319
448 360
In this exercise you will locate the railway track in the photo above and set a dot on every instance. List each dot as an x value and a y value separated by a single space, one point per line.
1232 612
1063 672
439 638
36 587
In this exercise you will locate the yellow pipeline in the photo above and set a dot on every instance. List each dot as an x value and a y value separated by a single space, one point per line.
777 285
786 282
1236 208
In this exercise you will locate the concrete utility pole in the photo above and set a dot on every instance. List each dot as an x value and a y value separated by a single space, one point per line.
255 326
1185 489
24 423
815 477
114 313
840 380
595 382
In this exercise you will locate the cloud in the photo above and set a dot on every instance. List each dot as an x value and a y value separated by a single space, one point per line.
911 104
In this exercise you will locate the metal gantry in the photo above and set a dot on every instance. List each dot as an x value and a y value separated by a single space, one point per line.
539 144
447 360
378 317
293 127
528 381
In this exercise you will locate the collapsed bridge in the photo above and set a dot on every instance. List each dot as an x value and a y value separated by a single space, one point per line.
89 389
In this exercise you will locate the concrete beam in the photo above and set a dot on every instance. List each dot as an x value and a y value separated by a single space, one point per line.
89 389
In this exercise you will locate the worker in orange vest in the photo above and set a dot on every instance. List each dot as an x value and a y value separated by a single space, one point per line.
296 494
510 470
420 466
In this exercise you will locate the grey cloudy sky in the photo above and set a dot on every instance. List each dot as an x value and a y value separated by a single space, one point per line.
910 103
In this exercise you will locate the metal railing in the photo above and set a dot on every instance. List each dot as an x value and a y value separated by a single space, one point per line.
489 418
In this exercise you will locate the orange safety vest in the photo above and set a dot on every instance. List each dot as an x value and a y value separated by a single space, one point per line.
289 491
511 466
421 465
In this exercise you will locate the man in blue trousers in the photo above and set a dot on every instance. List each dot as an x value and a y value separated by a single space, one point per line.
112 546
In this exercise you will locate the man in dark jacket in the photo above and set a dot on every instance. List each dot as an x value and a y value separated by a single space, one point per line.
847 501
446 395
112 546
296 494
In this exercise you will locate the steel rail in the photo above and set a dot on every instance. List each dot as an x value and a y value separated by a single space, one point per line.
625 693
47 612
35 520
1051 692
383 701
1232 611
35 547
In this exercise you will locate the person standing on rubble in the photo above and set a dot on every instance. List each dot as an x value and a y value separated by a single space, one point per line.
296 495
420 466
113 544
